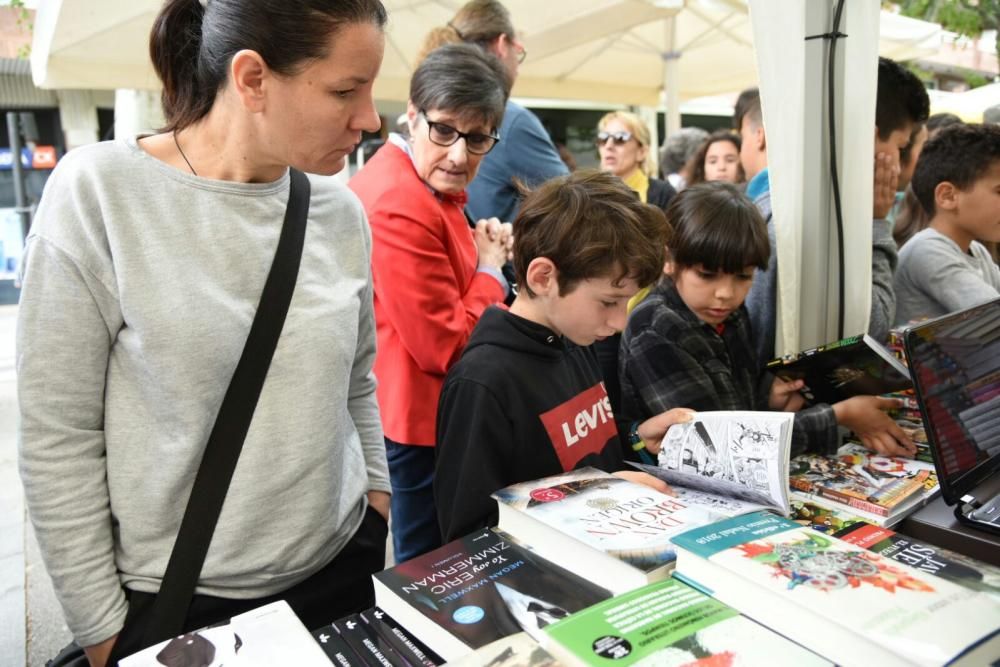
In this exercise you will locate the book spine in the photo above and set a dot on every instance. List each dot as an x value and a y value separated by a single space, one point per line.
850 501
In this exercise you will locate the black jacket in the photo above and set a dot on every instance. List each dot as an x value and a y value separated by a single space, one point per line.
520 404
660 193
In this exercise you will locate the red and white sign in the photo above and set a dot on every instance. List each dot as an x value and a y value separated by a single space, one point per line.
580 426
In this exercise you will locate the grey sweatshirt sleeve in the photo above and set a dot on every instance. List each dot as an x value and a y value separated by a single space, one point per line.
361 402
884 259
68 318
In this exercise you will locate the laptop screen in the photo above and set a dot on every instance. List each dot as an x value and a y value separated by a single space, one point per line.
955 364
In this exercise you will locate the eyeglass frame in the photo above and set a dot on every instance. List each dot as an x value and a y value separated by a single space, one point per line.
458 135
619 138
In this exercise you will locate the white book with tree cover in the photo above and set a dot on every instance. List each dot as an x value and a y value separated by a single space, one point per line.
606 529
739 455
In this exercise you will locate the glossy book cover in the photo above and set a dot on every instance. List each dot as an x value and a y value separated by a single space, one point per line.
778 572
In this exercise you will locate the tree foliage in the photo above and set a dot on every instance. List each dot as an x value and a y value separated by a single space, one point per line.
968 18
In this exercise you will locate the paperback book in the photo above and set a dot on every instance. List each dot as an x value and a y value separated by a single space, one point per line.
516 650
731 454
854 366
938 561
617 531
669 624
478 589
266 636
879 489
850 605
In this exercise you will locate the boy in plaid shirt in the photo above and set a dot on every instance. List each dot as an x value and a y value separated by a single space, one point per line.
689 343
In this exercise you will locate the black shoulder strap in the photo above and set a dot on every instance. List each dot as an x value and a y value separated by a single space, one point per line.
231 425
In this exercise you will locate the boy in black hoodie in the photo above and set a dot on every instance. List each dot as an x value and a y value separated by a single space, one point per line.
526 399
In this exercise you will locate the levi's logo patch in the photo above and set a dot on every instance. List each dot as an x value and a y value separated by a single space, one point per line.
580 426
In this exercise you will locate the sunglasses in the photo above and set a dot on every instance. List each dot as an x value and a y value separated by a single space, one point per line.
620 138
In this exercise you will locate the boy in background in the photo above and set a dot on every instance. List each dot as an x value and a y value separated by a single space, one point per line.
526 399
945 268
689 342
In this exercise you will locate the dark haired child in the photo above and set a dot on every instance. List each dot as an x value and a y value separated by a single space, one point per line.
526 399
945 268
689 344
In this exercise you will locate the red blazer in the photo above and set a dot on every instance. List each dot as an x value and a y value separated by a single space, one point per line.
428 294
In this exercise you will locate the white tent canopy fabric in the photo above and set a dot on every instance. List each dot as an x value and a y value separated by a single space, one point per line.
612 51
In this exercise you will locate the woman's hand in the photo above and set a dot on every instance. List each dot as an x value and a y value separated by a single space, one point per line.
494 240
653 429
645 479
379 501
785 395
877 431
98 654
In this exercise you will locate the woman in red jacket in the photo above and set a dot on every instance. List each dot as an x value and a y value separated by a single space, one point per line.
433 273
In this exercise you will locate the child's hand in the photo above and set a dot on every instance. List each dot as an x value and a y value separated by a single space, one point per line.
653 429
646 479
785 395
886 182
877 431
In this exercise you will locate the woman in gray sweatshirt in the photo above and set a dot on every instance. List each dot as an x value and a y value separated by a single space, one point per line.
142 275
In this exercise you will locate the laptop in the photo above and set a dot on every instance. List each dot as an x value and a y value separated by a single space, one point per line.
955 364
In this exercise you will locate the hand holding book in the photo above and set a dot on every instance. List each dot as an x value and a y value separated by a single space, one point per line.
865 416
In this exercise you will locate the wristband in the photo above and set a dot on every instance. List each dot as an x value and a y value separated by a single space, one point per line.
634 439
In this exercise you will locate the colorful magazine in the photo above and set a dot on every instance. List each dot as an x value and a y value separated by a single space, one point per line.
477 589
850 605
669 624
854 366
879 489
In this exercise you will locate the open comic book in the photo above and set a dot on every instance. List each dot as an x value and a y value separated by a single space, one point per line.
733 456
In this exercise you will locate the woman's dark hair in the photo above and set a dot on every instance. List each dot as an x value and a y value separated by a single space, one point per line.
698 161
192 45
717 226
464 80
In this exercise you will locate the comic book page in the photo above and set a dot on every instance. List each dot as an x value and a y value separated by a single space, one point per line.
743 455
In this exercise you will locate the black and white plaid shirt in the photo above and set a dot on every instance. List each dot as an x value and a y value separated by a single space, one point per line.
669 359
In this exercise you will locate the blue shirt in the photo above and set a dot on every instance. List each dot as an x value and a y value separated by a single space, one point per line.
525 152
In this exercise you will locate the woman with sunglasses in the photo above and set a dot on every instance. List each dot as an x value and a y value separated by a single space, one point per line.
433 274
623 143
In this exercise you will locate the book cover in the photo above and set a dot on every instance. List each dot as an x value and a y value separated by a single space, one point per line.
405 645
737 454
665 624
335 648
938 561
826 520
517 650
854 366
619 531
879 489
266 636
477 589
366 644
866 608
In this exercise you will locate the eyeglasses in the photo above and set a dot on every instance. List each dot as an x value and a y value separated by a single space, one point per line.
445 135
620 138
521 54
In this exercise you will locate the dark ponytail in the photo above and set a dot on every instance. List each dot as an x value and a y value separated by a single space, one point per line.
191 45
174 46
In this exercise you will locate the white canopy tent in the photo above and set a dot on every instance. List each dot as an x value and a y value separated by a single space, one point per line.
626 52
